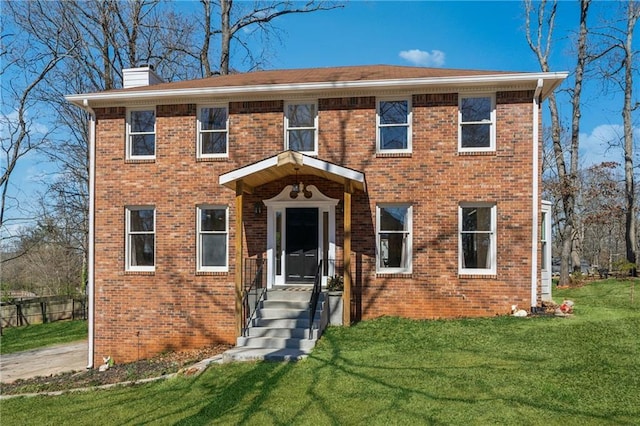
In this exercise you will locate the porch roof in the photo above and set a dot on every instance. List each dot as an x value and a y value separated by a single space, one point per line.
285 164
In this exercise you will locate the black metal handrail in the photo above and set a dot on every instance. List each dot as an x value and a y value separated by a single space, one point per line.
315 295
254 290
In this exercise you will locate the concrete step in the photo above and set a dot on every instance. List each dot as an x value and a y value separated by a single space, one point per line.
296 333
282 313
284 322
298 296
240 354
285 304
280 329
276 343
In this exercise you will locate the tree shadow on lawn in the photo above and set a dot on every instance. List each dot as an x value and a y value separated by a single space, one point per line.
416 382
259 382
481 382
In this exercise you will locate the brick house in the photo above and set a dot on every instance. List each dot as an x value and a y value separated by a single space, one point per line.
420 187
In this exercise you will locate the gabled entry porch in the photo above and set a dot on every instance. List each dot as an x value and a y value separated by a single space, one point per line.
301 222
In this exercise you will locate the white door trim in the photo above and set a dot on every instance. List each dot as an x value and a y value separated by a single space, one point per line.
279 204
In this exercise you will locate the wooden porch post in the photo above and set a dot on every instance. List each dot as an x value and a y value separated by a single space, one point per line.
239 256
346 294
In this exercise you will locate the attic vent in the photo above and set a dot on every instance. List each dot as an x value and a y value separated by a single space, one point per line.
138 77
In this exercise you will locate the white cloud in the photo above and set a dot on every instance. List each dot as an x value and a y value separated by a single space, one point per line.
424 59
9 121
604 143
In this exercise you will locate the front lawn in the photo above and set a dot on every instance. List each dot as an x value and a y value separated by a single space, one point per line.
17 339
579 370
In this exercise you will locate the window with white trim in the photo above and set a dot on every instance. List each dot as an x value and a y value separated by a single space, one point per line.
477 123
394 126
394 238
141 133
213 130
477 241
301 127
213 238
140 244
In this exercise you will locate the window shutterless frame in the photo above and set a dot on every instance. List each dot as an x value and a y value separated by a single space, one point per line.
141 133
476 122
213 131
394 230
212 250
140 245
477 239
393 125
301 127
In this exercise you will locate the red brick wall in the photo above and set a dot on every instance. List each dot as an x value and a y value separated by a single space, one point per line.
140 314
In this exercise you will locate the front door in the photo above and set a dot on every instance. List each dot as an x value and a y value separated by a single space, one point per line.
301 247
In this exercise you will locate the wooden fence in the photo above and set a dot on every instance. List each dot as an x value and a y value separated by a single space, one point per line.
42 310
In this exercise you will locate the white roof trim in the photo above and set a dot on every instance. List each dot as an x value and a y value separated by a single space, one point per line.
333 168
555 79
288 157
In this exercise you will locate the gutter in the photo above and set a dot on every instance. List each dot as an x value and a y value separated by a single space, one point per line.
535 198
91 239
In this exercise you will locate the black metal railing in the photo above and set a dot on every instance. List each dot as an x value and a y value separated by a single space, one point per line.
255 285
315 295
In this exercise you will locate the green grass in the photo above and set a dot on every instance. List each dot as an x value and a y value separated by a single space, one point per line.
552 371
16 339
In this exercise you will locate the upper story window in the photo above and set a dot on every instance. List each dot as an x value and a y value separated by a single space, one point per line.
140 245
301 127
141 133
394 126
477 238
393 234
213 238
213 129
477 123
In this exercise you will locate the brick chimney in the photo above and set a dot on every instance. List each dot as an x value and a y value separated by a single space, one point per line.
138 77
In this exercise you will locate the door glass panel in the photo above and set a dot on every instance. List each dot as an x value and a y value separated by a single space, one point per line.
301 244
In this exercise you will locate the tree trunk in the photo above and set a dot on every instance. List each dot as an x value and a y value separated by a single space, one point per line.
204 50
225 29
630 224
575 130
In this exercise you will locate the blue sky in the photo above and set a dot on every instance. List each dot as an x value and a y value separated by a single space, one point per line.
488 35
454 34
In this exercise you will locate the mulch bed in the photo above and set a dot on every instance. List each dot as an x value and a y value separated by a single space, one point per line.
158 366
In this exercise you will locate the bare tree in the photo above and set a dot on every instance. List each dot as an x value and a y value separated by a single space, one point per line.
25 70
96 39
603 196
44 260
633 13
540 39
618 68
237 17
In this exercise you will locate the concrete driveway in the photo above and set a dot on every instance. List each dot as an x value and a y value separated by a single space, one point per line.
43 362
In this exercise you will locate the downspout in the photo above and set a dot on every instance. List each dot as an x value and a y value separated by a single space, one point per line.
91 239
536 198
